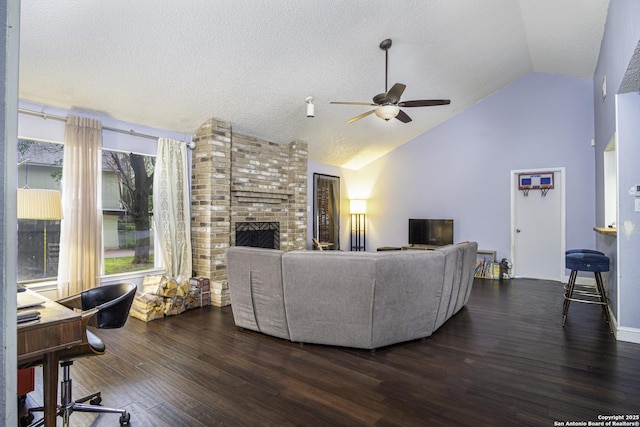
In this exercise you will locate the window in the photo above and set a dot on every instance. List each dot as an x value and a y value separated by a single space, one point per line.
39 167
127 202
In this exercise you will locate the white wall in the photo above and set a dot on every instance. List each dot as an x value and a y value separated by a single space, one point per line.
9 53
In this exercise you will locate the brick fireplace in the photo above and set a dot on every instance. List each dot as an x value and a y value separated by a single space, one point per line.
238 179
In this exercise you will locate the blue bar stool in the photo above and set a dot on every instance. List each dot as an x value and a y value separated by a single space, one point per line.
580 251
583 251
586 260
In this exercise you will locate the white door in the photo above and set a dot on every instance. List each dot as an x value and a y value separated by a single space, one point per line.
538 228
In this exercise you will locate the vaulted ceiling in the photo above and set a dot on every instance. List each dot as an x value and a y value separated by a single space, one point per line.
172 65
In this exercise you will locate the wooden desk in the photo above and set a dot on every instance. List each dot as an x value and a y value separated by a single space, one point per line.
59 328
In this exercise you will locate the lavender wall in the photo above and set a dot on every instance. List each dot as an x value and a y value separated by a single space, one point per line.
622 32
628 150
461 169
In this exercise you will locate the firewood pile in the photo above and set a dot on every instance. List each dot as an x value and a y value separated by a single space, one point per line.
162 296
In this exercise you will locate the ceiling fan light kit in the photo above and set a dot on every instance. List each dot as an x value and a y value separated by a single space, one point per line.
388 103
387 112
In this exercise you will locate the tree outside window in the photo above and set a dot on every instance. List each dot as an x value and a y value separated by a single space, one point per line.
127 206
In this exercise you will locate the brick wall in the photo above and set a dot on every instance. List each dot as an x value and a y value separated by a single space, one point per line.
239 178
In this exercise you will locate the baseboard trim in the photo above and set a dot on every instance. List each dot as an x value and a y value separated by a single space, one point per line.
628 334
581 280
625 334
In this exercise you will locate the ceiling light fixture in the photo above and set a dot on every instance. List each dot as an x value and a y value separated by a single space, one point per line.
387 112
310 107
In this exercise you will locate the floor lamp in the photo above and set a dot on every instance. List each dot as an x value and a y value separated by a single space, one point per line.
34 203
358 209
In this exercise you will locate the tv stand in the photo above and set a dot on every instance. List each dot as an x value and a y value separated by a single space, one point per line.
420 247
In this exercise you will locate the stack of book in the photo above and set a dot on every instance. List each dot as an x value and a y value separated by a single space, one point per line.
200 287
487 269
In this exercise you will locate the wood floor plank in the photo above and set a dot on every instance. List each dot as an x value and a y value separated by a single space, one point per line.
504 359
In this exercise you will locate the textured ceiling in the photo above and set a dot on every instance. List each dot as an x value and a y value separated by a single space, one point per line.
172 65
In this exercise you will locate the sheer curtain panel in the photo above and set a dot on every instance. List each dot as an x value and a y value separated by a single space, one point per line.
172 208
81 227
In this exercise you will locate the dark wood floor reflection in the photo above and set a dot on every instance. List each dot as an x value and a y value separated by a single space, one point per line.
504 360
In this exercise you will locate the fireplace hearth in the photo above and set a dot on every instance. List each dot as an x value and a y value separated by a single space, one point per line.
258 234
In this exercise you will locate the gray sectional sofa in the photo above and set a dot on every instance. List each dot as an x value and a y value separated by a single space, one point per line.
351 299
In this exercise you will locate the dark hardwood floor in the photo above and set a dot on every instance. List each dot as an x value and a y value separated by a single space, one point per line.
504 360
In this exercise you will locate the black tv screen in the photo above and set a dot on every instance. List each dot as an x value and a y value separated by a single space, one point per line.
436 232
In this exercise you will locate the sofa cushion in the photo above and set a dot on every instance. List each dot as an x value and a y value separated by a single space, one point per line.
256 295
468 268
328 297
360 299
407 295
463 256
453 259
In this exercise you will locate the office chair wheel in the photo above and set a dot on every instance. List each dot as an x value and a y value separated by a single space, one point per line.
26 419
96 401
124 418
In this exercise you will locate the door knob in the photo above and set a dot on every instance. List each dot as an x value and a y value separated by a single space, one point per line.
517 230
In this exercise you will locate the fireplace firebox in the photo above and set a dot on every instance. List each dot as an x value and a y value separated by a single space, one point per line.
258 234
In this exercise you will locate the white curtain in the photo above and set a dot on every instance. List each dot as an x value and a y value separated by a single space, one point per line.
81 227
172 208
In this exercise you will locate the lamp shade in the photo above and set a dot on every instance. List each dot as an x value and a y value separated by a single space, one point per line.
387 112
36 203
358 206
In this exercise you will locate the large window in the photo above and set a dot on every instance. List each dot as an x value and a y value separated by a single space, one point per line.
127 211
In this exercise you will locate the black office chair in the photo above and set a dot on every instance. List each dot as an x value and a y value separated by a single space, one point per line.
104 307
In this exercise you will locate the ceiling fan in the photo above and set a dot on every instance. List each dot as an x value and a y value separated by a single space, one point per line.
388 103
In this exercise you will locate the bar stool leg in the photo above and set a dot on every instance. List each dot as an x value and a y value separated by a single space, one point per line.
603 299
568 294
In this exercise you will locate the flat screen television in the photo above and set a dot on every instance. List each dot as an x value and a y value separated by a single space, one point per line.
436 232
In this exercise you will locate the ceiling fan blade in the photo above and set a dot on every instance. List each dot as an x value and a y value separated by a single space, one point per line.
424 103
356 118
403 117
394 94
352 103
